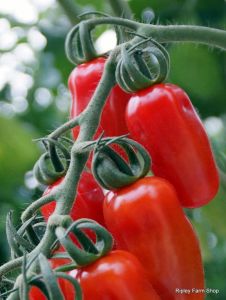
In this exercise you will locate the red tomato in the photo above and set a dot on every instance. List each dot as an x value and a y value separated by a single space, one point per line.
89 200
147 220
82 84
116 276
164 121
36 294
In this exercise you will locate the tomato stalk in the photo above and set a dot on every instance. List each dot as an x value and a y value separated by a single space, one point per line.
186 33
90 116
65 194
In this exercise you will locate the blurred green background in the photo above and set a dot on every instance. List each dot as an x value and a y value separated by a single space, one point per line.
34 100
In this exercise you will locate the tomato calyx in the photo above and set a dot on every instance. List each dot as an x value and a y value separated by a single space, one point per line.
79 45
51 282
86 250
142 65
26 237
53 163
112 171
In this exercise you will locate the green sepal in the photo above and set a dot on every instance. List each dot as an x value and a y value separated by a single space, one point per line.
40 285
112 171
74 282
50 279
79 46
24 287
89 251
27 227
44 172
52 164
142 65
16 240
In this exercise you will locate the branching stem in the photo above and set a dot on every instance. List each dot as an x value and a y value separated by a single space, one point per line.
68 186
89 119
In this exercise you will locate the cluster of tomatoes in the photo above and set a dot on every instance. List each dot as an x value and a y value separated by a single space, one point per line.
156 250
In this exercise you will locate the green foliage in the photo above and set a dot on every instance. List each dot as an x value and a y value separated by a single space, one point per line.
162 8
94 4
17 155
209 221
200 72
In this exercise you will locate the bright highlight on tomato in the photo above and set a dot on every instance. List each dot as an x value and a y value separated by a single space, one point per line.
164 121
146 219
116 276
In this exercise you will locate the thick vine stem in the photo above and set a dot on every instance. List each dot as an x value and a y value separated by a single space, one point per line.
172 33
186 33
91 115
169 33
113 21
89 120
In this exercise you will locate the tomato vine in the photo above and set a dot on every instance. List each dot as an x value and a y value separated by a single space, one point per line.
79 49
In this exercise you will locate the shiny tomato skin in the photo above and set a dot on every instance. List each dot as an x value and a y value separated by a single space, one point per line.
163 120
82 84
89 200
116 276
147 220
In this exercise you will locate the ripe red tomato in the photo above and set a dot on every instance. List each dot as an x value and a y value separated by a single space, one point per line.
146 219
116 276
89 200
82 84
164 121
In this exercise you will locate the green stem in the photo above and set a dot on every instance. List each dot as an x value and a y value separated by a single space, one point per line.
186 33
86 133
65 127
121 8
90 116
169 33
114 21
11 266
67 189
71 9
33 207
89 119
